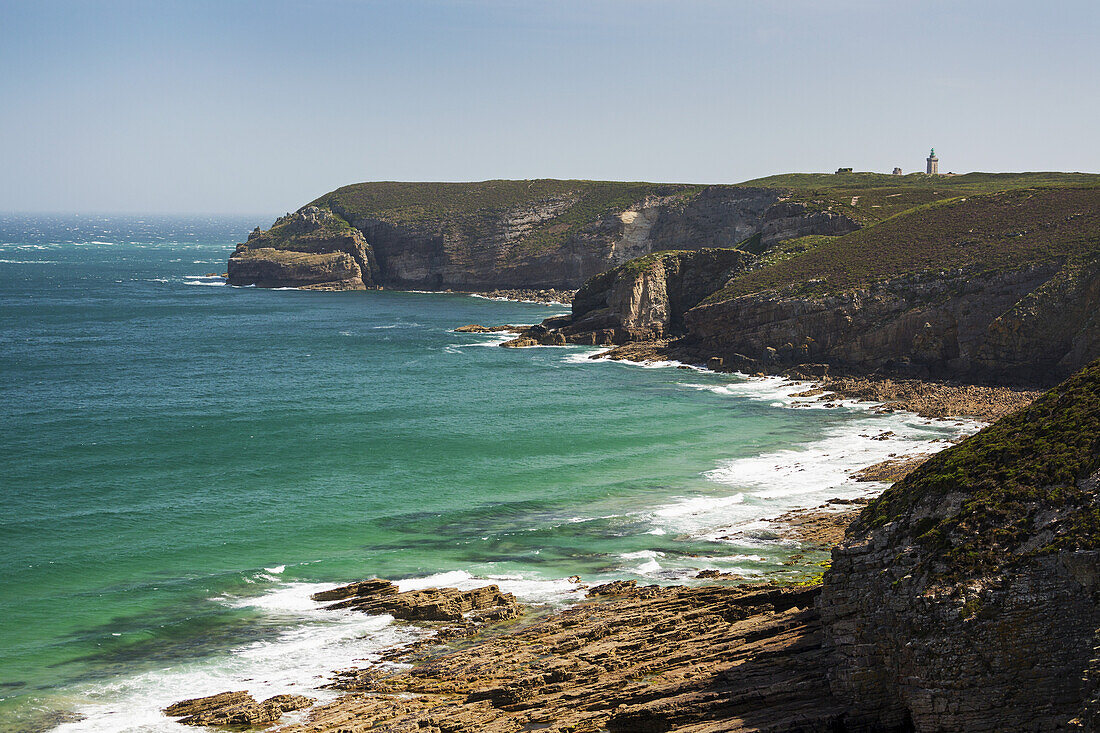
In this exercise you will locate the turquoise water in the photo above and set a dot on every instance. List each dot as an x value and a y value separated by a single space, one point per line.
184 462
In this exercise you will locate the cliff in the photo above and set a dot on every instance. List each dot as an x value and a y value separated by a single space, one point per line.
967 596
642 300
1002 287
509 234
998 288
311 248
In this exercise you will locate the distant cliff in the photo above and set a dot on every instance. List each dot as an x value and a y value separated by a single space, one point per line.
508 234
1001 287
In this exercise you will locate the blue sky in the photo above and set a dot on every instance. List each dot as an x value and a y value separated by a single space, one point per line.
231 106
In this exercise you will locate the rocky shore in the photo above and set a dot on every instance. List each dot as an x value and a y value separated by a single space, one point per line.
964 598
547 296
629 658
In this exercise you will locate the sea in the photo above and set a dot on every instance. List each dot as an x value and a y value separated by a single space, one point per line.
184 462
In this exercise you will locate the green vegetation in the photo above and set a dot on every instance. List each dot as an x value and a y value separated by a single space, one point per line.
1013 472
872 197
991 232
464 205
287 234
790 248
638 265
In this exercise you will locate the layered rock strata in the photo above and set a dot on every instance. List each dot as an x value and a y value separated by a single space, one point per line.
962 324
311 248
643 300
379 596
488 236
633 659
235 709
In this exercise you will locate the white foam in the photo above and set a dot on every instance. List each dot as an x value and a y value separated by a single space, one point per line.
298 660
555 591
488 339
769 484
278 569
217 283
776 391
551 303
651 554
583 357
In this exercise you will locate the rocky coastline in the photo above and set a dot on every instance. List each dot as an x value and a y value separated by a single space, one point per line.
508 235
964 598
546 296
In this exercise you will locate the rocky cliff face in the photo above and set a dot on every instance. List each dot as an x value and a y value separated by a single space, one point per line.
554 237
1033 324
310 248
1002 287
642 300
967 597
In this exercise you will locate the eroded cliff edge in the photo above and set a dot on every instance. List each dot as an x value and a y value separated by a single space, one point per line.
509 234
1001 288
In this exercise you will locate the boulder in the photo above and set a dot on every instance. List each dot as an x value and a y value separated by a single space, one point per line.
235 708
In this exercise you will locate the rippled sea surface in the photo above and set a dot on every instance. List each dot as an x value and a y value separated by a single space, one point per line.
185 462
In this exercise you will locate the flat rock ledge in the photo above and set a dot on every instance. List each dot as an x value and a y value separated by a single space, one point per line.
378 596
235 708
696 660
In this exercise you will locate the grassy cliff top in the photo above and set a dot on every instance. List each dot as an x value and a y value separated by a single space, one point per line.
872 197
574 203
1022 484
991 232
428 201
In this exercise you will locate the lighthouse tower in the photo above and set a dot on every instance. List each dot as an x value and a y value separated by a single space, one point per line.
933 164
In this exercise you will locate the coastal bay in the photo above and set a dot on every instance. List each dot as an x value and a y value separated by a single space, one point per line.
221 453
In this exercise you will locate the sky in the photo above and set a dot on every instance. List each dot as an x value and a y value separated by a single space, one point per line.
186 106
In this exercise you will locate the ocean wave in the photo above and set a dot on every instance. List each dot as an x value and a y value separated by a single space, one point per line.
554 591
489 339
584 357
389 326
550 303
299 659
776 391
764 486
214 283
29 262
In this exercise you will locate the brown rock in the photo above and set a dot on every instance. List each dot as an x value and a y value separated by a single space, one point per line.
475 328
429 604
235 708
700 660
210 702
372 587
891 470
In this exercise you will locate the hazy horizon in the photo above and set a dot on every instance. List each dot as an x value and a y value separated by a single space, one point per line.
132 107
